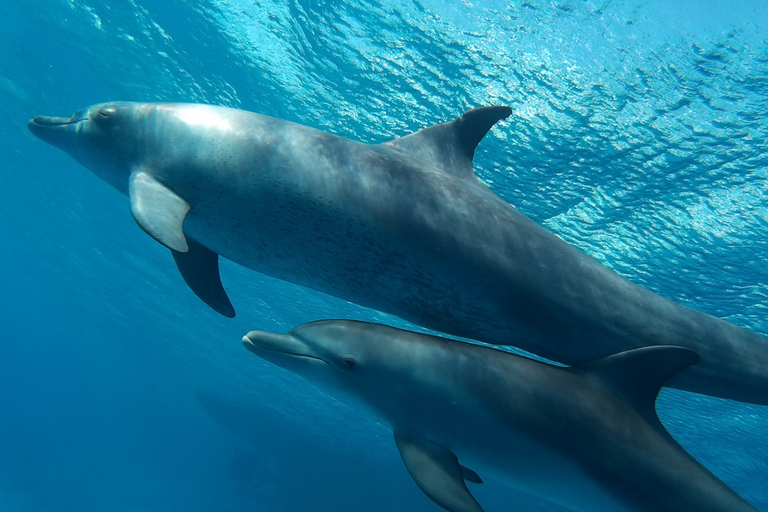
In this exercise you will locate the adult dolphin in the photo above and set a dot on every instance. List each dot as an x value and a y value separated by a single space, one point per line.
585 437
403 227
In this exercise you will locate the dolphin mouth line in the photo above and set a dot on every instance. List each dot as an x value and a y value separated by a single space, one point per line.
55 121
247 341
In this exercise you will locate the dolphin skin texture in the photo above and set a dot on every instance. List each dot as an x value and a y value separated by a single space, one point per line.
403 227
586 437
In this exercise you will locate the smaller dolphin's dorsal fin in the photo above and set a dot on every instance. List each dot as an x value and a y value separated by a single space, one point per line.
638 375
451 146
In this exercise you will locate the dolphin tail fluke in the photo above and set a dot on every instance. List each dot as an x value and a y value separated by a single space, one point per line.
437 472
199 267
451 146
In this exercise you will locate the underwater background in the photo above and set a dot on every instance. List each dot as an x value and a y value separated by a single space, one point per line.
639 134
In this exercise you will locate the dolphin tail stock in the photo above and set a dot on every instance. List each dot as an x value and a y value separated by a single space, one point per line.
451 146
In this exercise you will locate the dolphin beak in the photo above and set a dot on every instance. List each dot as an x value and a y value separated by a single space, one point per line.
283 350
259 341
57 131
280 349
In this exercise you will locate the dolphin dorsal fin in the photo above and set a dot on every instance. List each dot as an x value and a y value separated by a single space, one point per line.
451 146
638 374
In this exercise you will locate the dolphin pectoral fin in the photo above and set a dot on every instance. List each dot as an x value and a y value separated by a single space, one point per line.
158 210
436 471
469 475
451 146
199 267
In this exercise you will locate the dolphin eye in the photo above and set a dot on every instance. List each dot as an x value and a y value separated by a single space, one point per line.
105 113
350 363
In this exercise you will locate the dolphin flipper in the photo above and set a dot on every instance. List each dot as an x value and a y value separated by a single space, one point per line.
199 267
469 475
158 210
436 471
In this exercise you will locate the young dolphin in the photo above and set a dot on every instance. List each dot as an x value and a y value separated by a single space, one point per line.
403 227
585 437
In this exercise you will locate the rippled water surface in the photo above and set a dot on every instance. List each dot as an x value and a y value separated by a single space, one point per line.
638 135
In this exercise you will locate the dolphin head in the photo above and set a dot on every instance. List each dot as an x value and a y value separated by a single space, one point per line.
320 357
361 363
102 138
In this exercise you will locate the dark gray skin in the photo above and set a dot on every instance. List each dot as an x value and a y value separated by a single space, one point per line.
585 437
404 227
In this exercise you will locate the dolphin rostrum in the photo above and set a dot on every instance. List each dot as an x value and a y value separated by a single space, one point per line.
586 437
403 226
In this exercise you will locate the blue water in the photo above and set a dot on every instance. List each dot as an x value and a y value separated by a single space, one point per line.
639 135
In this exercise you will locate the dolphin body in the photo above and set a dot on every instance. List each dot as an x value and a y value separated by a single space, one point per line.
403 227
585 437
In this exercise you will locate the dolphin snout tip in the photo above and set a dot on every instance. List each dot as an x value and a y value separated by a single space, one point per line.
254 340
46 121
34 124
247 341
54 130
259 341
